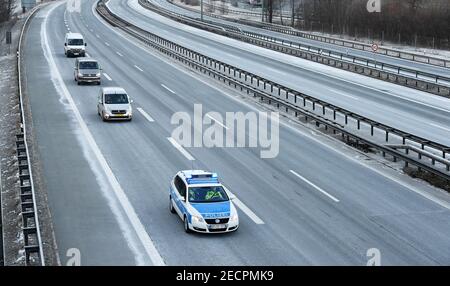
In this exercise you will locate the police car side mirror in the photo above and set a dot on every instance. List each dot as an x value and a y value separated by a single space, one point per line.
183 199
65 44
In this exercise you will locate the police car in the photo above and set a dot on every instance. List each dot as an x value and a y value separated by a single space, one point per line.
202 202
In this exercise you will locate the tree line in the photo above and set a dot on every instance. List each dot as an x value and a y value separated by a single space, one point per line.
6 9
413 22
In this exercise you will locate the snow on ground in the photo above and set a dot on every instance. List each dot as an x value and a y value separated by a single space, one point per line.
405 48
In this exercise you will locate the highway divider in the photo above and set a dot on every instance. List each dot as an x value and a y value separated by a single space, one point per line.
34 254
350 126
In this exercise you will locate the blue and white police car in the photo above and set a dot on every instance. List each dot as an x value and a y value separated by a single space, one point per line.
202 202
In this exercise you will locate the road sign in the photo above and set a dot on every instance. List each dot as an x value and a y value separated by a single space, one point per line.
8 38
374 47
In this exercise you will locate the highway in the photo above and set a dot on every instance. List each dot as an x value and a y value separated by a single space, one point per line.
317 203
336 48
409 110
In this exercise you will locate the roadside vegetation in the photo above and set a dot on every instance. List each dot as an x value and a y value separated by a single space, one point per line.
6 9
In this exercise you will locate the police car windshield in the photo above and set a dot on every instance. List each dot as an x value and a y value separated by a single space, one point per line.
211 194
116 98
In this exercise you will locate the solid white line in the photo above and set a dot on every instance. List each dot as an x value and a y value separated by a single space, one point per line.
138 68
120 196
439 126
106 43
180 148
107 76
314 186
145 114
119 54
97 35
88 55
247 211
168 88
218 122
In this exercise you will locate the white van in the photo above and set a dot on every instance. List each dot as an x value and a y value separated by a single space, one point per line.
74 45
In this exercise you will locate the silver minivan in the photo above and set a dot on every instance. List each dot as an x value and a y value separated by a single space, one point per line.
114 104
87 70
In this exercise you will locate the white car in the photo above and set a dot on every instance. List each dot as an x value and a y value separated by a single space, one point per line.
74 45
202 202
114 104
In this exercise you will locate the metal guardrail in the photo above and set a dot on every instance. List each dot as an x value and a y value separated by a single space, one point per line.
226 9
371 68
421 153
30 228
337 41
322 113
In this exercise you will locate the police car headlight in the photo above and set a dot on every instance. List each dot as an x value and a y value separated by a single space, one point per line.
234 217
197 219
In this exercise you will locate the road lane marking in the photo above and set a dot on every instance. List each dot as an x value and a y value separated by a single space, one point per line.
314 186
115 195
145 114
88 55
441 127
107 76
138 68
409 186
107 44
180 148
119 54
168 88
218 122
247 211
97 35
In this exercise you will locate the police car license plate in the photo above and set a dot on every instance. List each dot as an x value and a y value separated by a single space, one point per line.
217 226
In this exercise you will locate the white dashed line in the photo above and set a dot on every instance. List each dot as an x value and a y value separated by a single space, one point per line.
247 211
145 114
181 149
165 87
119 54
107 76
215 120
138 68
314 186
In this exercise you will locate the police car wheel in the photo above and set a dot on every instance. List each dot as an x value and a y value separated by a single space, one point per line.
171 208
186 225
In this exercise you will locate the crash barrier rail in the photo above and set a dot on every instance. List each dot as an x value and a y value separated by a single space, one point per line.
332 117
436 61
421 153
31 231
226 9
423 81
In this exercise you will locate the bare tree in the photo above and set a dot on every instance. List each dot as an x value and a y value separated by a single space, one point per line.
6 9
407 21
